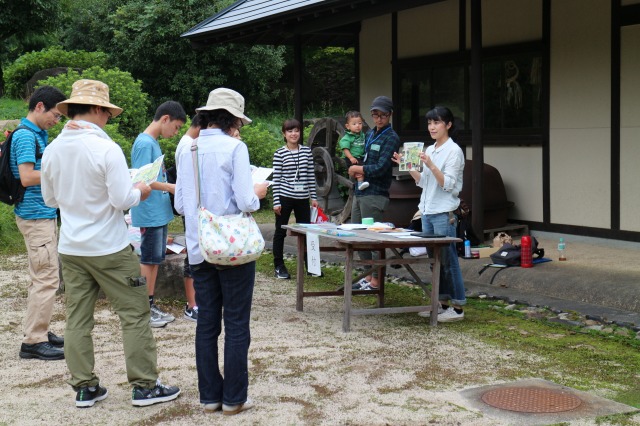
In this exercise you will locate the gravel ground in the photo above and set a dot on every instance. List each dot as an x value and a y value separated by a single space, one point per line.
303 369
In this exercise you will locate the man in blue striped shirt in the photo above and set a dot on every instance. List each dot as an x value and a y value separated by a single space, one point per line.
38 225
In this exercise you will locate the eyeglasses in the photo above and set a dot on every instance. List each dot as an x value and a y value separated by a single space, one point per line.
379 116
108 111
56 116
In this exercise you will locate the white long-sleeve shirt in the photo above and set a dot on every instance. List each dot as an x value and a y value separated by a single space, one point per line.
449 158
85 174
226 186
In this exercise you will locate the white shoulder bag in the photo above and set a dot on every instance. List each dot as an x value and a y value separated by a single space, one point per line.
232 239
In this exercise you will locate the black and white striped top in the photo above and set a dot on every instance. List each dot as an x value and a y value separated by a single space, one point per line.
293 175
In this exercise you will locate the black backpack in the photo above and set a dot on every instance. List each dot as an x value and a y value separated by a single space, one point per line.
11 190
510 254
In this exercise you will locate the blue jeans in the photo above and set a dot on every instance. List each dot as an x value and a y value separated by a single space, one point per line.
451 283
232 290
153 244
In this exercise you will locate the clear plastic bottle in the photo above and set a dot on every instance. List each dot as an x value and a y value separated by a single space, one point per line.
562 255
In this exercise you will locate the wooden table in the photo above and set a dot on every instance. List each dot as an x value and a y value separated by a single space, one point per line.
368 241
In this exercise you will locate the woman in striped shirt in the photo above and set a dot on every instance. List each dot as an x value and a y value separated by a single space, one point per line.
294 188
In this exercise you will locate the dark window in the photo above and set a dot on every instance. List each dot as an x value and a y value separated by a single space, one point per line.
421 89
512 92
512 86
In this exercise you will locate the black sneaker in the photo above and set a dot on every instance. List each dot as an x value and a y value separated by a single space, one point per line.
43 350
57 341
141 397
87 396
191 314
282 273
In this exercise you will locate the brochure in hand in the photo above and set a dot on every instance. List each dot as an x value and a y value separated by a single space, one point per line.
411 157
147 173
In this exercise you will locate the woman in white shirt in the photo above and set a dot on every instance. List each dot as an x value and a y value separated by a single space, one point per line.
226 187
441 182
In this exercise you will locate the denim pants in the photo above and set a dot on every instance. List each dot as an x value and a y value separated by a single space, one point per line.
451 283
230 290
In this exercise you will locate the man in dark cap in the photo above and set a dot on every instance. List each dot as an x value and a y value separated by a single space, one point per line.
380 144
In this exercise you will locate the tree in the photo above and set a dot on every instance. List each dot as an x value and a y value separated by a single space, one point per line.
21 19
146 41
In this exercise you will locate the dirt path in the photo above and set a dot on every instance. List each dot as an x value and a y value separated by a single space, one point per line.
303 369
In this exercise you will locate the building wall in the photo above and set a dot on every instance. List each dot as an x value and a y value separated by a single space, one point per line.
428 30
630 128
508 21
580 106
521 172
580 110
375 61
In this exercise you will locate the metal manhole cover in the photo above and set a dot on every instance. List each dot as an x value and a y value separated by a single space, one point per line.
531 400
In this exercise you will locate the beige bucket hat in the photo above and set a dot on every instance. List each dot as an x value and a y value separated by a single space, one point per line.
227 99
89 92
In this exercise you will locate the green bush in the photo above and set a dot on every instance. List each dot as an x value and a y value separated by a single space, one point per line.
169 145
111 129
261 143
124 92
18 73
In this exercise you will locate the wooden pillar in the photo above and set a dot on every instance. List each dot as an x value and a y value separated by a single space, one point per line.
477 119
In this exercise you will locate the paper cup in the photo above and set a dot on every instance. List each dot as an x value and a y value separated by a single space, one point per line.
367 221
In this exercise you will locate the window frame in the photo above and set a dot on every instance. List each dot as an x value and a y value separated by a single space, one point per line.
492 136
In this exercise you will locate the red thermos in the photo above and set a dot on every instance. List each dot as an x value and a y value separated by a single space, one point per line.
526 257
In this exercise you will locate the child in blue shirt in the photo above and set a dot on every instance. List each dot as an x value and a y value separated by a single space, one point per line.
153 215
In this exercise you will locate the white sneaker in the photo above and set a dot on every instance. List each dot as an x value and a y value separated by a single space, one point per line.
162 314
450 315
155 321
230 410
427 314
363 185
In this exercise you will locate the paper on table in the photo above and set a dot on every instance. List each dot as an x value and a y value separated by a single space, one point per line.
147 173
261 174
350 226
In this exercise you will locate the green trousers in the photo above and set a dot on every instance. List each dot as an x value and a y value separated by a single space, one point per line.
117 276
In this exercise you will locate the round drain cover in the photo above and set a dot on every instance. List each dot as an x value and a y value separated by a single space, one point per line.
531 400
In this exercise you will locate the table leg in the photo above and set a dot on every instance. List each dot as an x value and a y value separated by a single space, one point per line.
382 272
348 272
300 272
435 286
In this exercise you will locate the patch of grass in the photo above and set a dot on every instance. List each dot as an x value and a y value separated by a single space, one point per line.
12 109
11 241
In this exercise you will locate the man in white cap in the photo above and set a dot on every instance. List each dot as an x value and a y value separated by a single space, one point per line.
85 175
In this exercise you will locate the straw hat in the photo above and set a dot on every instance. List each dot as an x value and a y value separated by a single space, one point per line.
227 99
89 92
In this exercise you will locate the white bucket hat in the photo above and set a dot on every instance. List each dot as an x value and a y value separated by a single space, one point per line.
227 99
89 92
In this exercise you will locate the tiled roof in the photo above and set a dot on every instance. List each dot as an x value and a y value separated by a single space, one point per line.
319 22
